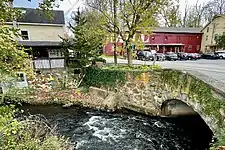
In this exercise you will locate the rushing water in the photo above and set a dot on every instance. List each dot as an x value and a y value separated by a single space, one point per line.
96 130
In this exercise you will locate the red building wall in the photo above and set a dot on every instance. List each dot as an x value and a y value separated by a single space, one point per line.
191 42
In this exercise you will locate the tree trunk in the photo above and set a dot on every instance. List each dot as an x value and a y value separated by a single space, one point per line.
129 57
115 35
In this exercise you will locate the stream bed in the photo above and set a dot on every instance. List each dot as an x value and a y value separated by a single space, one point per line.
124 130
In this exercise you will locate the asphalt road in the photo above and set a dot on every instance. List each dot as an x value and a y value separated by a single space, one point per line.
211 68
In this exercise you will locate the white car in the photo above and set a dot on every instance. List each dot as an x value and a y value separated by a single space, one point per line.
221 54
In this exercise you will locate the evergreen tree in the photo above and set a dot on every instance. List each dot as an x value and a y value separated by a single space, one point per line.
220 41
87 39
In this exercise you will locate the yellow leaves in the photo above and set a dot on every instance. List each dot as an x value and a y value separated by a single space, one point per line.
12 56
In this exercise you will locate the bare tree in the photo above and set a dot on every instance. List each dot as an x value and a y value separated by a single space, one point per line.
183 19
193 15
212 8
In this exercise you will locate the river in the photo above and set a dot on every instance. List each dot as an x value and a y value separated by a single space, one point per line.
124 130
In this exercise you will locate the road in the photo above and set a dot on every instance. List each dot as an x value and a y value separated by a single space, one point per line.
211 68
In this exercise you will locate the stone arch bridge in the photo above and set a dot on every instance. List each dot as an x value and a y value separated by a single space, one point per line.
148 92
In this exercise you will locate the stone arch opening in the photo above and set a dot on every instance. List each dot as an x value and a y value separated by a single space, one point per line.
189 120
175 107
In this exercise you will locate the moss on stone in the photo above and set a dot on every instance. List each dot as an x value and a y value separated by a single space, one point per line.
166 79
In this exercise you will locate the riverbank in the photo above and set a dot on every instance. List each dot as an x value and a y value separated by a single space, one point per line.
142 89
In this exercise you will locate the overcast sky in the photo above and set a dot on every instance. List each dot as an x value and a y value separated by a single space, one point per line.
71 5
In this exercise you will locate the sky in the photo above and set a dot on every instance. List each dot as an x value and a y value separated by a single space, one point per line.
71 5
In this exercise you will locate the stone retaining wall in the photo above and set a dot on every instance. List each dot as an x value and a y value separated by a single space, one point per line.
146 92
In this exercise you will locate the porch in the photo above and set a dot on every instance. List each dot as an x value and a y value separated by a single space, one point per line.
45 54
163 48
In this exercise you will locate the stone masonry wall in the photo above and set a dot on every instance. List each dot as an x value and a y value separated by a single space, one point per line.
146 93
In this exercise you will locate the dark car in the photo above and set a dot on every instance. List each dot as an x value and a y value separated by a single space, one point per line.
182 56
210 56
171 56
160 57
144 55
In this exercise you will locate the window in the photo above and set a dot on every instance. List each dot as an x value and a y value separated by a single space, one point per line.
198 47
166 38
178 39
1 90
215 36
207 29
190 47
21 77
24 35
153 38
55 53
206 38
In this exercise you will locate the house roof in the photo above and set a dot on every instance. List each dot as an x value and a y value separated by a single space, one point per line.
31 15
177 30
216 16
39 43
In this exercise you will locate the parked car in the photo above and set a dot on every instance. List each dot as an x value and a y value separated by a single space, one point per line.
192 56
171 56
221 54
160 57
210 56
198 56
144 55
182 56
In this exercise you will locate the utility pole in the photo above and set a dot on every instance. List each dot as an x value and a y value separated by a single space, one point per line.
115 35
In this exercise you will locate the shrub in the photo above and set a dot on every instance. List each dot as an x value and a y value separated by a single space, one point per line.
112 76
133 68
28 133
98 59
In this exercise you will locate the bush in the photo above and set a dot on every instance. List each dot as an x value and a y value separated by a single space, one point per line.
112 76
28 133
98 59
103 77
133 68
220 139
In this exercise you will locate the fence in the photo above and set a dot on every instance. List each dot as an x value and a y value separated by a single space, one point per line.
48 63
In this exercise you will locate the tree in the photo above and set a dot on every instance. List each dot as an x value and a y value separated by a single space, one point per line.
87 38
212 8
13 58
132 16
193 15
220 41
170 13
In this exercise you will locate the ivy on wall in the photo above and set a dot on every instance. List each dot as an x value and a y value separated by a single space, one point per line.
104 77
197 90
112 76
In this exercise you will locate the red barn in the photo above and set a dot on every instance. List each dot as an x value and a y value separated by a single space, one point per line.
164 39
